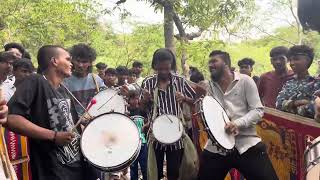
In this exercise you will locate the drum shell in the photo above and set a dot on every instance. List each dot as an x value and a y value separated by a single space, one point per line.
116 168
312 154
213 139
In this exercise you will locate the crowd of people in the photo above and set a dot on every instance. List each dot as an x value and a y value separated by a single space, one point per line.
37 104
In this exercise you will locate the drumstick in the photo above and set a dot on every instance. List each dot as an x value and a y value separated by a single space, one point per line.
92 102
108 100
21 160
70 93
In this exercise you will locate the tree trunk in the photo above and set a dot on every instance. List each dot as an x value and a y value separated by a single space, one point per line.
168 27
184 58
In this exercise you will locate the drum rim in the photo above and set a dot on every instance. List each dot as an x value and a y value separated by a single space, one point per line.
208 130
132 117
120 166
105 89
180 124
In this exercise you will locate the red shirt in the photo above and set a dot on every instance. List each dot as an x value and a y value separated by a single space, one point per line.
270 85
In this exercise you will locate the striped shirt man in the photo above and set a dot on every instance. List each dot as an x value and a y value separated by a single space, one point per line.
167 101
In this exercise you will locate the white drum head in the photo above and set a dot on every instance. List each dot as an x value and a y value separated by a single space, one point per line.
116 103
110 140
215 117
165 131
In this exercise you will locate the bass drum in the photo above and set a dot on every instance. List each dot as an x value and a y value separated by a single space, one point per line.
111 142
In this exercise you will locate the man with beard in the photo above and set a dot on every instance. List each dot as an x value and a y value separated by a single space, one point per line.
238 94
271 82
170 91
42 110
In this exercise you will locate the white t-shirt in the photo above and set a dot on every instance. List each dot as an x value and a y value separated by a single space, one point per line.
8 87
139 81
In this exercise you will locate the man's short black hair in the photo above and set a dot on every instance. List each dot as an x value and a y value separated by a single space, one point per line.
279 51
163 55
192 69
111 71
101 65
83 51
26 55
23 63
131 72
122 70
225 56
133 94
7 56
196 76
246 61
18 46
45 54
137 64
302 50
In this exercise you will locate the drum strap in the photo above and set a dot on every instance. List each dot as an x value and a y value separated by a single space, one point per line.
180 113
155 100
95 83
220 101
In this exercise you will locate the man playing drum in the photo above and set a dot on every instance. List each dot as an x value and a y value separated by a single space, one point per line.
238 95
164 92
42 110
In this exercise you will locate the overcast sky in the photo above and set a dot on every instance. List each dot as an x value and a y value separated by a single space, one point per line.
141 12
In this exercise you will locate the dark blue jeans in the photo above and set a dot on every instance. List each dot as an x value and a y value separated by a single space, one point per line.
142 160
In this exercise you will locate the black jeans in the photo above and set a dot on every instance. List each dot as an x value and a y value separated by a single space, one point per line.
174 158
91 173
254 164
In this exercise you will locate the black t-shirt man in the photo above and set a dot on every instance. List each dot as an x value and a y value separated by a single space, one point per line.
53 109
